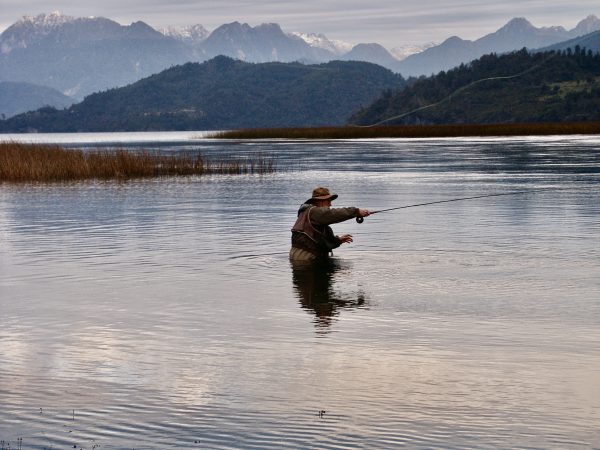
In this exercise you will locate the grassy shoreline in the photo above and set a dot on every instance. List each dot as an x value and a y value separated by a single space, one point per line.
415 131
40 163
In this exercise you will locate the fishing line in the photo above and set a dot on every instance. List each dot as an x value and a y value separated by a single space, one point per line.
456 92
362 219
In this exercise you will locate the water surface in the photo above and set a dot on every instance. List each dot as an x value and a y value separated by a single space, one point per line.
165 313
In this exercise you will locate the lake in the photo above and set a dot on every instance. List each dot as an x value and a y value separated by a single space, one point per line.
164 313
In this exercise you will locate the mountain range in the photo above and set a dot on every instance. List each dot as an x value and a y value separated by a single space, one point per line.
516 34
222 93
80 56
56 60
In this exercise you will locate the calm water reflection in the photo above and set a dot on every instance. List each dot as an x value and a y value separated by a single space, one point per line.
319 293
165 313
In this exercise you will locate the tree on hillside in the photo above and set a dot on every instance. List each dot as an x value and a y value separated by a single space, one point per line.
520 86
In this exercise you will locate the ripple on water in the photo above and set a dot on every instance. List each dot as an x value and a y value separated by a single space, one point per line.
165 313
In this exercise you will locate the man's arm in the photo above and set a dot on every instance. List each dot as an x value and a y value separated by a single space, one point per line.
327 216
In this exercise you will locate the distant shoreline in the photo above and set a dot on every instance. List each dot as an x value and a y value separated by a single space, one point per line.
414 131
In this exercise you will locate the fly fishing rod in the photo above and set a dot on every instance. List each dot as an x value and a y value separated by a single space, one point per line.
362 219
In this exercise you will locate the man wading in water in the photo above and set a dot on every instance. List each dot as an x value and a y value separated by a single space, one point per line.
312 237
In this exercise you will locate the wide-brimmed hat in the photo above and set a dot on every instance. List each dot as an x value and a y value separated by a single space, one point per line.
321 193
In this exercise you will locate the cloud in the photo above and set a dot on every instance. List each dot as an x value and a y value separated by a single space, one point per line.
388 22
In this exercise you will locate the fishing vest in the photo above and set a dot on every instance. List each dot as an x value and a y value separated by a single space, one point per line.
306 237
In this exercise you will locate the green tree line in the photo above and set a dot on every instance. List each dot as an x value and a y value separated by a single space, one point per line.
222 94
517 87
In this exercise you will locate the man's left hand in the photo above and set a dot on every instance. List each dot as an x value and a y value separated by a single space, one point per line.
346 238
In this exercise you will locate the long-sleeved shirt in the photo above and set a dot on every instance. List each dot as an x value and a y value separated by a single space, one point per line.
312 232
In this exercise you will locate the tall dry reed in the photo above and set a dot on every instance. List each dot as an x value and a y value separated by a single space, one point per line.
29 162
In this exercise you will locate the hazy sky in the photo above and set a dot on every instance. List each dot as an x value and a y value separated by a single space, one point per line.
391 23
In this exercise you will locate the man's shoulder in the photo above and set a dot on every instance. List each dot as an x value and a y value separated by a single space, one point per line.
305 207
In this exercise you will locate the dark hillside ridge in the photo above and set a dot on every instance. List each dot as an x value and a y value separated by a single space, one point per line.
222 94
533 87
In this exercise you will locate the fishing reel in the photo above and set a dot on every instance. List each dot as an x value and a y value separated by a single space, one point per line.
360 219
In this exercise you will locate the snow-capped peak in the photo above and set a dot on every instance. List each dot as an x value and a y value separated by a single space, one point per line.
192 33
30 28
588 25
321 41
403 51
46 21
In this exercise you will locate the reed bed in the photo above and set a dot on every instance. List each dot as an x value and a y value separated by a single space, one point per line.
30 162
415 131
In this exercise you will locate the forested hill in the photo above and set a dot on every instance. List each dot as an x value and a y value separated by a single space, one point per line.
222 94
515 87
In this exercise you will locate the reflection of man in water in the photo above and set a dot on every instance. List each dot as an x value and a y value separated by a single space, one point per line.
312 237
313 283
